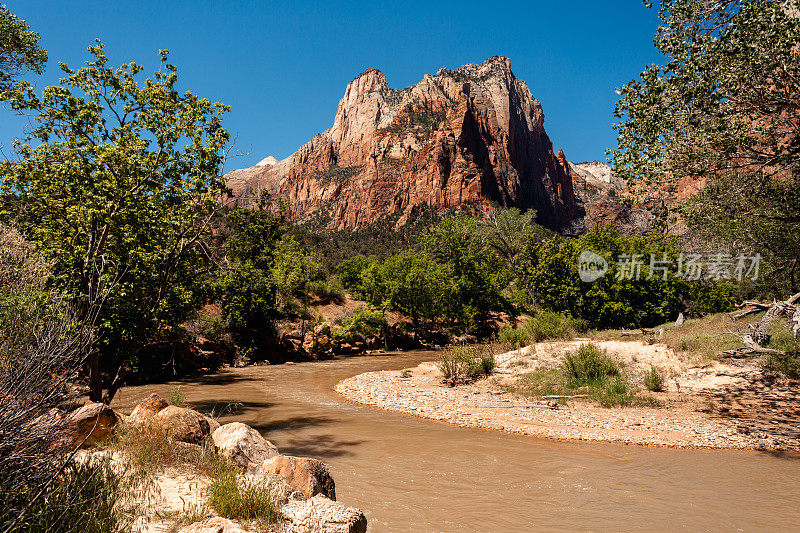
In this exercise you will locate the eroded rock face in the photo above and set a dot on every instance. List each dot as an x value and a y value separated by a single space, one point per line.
91 423
242 444
321 514
305 475
473 135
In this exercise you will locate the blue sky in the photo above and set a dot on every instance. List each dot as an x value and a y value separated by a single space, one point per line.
283 66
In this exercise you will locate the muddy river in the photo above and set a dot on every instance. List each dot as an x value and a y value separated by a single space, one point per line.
410 474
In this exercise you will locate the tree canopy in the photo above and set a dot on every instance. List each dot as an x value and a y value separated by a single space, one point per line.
19 49
722 110
116 184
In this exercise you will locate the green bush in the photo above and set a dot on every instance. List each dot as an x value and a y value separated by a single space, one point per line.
514 338
327 290
654 380
176 396
465 364
549 325
710 297
363 321
589 365
237 501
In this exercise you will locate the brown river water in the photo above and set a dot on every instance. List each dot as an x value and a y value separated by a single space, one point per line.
411 474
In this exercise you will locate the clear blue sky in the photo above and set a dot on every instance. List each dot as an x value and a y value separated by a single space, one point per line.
283 66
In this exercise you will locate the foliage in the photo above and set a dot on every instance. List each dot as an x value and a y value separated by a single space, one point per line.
558 326
477 275
42 347
236 500
338 174
245 287
149 449
350 272
711 298
363 321
19 49
412 283
719 110
589 364
550 270
514 338
116 184
465 364
588 372
654 380
176 396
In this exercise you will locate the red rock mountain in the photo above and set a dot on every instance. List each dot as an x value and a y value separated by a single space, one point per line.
474 135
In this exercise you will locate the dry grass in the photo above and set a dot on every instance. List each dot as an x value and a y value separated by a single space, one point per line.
149 448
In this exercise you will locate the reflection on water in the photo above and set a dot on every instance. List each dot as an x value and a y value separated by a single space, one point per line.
410 474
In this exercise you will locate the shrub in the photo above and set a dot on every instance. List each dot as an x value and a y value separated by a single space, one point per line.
589 364
654 380
465 364
327 290
714 296
550 325
241 501
405 373
363 321
514 338
788 365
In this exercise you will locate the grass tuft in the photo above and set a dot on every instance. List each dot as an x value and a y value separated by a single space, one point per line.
241 501
654 380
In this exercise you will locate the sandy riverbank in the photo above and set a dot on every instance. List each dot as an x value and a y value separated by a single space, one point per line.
709 405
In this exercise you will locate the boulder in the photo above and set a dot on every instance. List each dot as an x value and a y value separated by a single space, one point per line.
183 424
321 514
305 475
242 444
147 409
214 525
91 423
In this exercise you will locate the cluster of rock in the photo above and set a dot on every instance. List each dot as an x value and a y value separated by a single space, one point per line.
327 340
303 487
470 136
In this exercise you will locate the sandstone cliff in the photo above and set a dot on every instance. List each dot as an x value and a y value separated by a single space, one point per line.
474 135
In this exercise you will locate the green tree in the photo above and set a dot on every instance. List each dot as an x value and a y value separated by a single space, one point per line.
627 296
292 274
414 284
723 109
19 49
116 185
245 285
477 274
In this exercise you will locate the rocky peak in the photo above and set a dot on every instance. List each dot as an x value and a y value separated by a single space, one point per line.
463 136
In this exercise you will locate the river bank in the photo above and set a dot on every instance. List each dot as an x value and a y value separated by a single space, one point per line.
704 404
412 474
